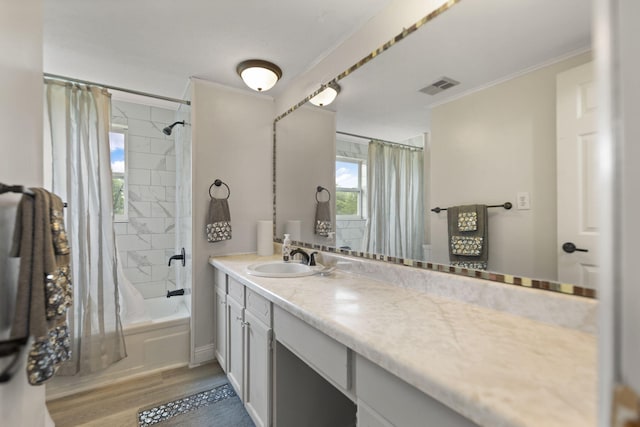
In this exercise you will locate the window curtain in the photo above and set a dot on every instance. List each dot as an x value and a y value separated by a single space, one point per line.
78 123
395 226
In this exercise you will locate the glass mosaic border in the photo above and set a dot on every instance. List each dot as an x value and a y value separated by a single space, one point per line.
509 279
545 285
163 412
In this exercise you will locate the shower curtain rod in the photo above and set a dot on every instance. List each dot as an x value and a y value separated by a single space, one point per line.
380 140
119 89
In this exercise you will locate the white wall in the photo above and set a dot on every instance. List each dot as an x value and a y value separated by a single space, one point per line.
20 163
471 138
147 239
232 140
306 156
628 103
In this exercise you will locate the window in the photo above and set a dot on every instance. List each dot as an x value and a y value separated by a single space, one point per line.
117 141
349 187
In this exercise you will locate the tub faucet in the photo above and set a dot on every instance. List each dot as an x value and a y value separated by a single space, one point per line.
179 257
175 293
309 259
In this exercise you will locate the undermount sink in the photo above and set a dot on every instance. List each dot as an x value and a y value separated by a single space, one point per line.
283 269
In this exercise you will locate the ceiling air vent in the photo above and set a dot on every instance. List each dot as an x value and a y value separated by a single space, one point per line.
443 83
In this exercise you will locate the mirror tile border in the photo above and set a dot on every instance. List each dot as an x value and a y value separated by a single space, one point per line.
545 285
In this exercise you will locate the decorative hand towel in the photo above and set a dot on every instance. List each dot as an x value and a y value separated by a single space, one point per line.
468 230
44 283
218 221
323 225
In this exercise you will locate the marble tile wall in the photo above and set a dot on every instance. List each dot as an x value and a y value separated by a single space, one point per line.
147 240
350 233
184 199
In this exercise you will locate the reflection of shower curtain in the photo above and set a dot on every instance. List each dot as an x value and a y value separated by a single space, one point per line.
395 226
79 121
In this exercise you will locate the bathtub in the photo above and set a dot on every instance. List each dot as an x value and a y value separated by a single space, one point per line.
155 341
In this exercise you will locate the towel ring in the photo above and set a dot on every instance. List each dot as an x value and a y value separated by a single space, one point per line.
320 189
218 183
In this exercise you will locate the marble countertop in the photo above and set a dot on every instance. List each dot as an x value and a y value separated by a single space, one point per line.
495 368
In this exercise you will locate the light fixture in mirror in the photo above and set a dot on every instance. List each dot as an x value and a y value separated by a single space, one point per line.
327 96
259 75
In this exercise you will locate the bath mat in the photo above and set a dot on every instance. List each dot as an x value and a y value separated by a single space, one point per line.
217 407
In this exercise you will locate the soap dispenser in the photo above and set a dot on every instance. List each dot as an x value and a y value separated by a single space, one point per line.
286 247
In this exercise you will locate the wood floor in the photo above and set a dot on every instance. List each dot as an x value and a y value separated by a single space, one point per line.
117 405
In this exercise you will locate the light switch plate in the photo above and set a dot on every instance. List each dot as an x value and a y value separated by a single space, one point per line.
523 201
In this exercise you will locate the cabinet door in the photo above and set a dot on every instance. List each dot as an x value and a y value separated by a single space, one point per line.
221 328
235 349
258 375
367 417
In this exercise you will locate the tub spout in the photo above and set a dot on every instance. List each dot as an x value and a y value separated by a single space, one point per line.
175 293
181 257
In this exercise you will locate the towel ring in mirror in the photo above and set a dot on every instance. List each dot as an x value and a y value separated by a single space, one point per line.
319 190
218 183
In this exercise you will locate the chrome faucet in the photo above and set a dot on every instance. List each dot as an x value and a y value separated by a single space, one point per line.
309 259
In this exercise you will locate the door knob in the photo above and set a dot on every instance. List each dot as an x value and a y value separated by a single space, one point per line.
570 248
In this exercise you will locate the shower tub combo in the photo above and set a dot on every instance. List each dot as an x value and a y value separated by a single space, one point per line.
156 335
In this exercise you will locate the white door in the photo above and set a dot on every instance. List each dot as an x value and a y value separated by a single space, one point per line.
235 350
258 375
577 174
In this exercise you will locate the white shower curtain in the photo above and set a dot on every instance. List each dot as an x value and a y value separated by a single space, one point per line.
395 226
79 121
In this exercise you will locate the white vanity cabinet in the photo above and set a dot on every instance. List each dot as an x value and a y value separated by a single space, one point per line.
258 358
235 339
220 308
249 351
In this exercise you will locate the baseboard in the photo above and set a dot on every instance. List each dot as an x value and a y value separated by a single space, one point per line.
203 354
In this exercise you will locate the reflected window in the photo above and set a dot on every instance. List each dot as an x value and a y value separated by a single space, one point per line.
349 188
117 144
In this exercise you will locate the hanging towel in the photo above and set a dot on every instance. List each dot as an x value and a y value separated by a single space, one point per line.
218 221
468 236
323 225
44 291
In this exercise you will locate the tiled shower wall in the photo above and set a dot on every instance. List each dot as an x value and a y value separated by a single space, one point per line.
183 198
147 240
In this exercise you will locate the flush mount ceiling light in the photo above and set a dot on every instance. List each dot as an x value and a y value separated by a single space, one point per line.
327 96
258 74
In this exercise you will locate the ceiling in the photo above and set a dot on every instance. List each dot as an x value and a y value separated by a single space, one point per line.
477 43
155 46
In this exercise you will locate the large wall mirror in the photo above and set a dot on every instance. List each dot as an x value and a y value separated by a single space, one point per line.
487 103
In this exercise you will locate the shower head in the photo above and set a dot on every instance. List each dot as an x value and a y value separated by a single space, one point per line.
168 129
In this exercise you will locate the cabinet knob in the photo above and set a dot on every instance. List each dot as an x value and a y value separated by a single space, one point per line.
239 318
245 324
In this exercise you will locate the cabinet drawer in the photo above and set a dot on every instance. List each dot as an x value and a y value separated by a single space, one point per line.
259 306
324 354
400 403
236 290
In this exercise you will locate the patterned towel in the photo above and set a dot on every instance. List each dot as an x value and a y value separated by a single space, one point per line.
218 221
323 225
44 284
468 244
